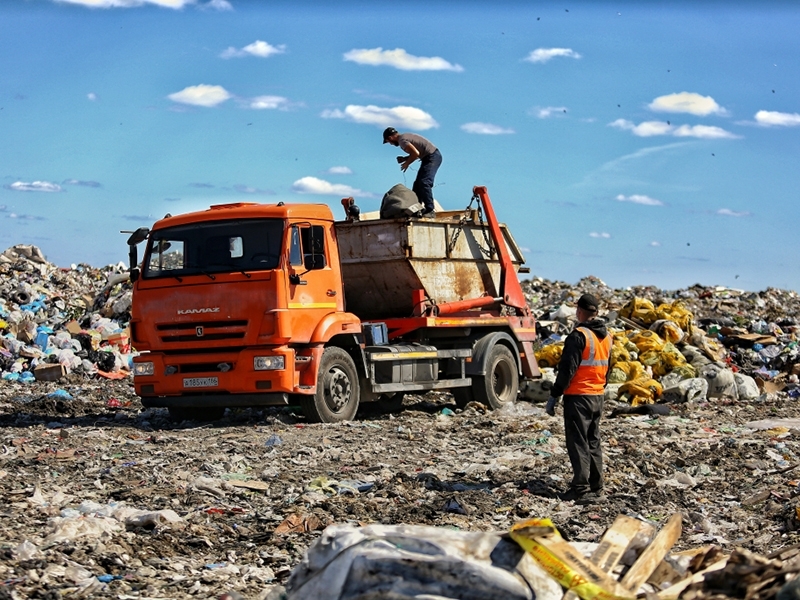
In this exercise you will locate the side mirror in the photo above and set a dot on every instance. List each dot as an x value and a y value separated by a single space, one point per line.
314 262
136 238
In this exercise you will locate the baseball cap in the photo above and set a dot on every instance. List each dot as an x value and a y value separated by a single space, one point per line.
387 133
588 302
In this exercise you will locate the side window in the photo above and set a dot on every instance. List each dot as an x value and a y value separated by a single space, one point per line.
308 246
296 250
166 255
313 239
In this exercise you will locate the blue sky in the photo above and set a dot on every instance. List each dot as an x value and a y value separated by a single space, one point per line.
640 142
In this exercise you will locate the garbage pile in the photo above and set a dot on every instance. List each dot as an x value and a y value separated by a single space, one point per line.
58 322
679 346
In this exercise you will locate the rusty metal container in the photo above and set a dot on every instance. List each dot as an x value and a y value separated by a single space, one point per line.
384 260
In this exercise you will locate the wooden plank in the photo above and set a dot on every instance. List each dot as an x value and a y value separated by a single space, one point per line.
673 591
612 545
568 555
653 554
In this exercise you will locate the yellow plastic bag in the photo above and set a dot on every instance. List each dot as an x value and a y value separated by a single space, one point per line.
639 309
647 340
549 355
625 371
686 371
677 312
668 330
642 391
619 353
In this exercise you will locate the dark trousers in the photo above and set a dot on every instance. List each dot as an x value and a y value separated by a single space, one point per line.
423 184
582 416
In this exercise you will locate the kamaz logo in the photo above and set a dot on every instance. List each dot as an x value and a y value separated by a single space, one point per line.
197 311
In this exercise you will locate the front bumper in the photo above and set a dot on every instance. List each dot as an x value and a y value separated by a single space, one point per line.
218 379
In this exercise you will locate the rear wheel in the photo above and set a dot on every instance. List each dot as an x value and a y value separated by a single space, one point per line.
500 385
337 395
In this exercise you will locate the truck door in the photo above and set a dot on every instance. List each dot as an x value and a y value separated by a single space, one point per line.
315 287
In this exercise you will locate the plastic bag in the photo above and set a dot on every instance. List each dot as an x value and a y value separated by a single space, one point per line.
677 312
643 390
721 382
625 371
399 202
550 355
639 309
746 387
686 390
647 340
414 561
668 330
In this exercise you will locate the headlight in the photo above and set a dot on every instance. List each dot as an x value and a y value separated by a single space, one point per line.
144 368
268 363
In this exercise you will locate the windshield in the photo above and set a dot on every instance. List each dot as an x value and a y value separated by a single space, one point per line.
214 247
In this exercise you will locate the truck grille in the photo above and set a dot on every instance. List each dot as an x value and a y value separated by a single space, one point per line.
202 331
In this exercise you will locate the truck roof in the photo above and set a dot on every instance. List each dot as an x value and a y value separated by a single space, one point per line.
249 210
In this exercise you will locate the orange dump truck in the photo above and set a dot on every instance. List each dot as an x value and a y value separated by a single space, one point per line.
277 304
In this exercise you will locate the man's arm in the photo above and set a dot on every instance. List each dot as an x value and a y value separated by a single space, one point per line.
569 363
413 154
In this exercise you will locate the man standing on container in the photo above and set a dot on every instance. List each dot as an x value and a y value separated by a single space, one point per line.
582 375
417 147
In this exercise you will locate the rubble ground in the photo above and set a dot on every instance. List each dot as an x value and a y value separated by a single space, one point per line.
103 498
252 491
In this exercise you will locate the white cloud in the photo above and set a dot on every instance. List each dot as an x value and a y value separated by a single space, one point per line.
406 117
258 48
201 95
34 186
220 5
485 129
655 244
707 132
176 4
544 112
313 185
542 55
645 129
727 212
640 199
687 102
651 128
771 117
91 96
269 102
400 59
91 184
339 171
602 235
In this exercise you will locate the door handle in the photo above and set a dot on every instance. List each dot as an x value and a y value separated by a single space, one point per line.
331 292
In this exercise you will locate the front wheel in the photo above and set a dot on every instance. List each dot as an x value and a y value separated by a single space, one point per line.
337 395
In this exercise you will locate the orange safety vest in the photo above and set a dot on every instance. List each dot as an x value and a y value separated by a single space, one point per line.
590 378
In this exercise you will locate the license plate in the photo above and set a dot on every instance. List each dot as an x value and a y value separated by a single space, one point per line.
196 382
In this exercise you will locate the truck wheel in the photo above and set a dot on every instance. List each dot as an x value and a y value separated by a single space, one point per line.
500 385
337 393
186 413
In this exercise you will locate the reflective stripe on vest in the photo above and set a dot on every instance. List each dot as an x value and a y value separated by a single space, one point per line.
590 378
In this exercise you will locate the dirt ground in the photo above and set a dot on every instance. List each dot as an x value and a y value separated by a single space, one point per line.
230 506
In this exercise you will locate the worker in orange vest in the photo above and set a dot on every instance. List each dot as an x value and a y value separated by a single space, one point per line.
582 376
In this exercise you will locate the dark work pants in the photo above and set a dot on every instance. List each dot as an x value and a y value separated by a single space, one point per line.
582 416
423 184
